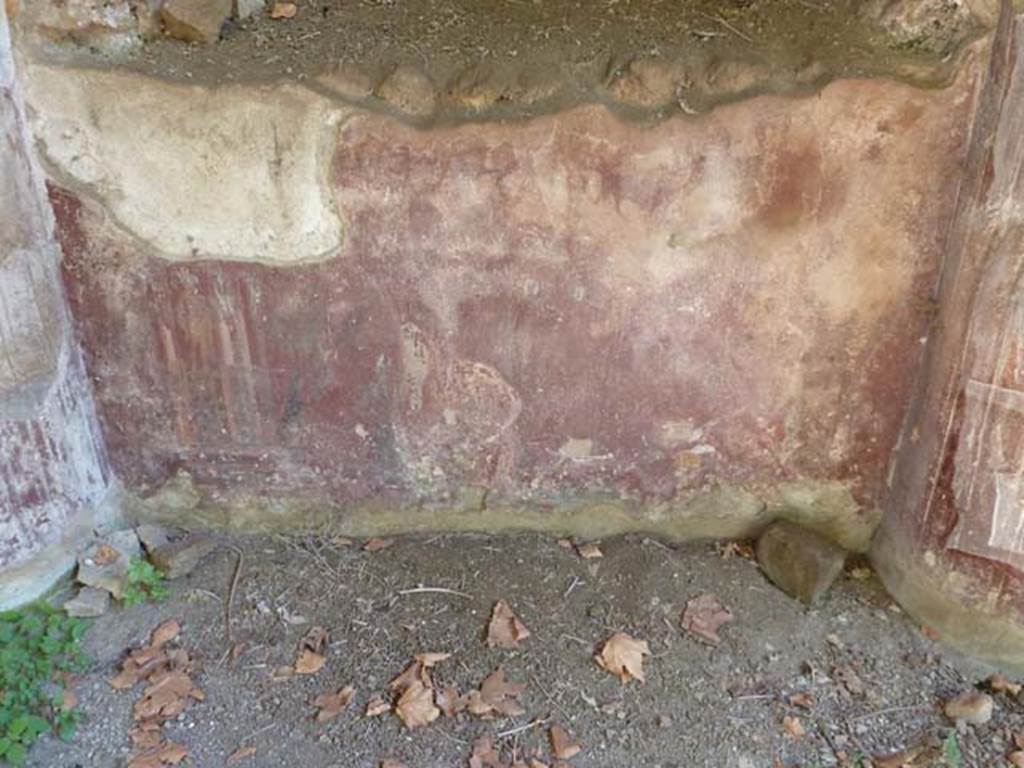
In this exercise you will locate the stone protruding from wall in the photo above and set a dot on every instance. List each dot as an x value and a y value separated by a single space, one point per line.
53 472
952 544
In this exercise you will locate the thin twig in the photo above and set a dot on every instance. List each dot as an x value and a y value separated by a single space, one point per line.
521 728
727 25
890 711
575 583
449 736
256 733
231 594
441 590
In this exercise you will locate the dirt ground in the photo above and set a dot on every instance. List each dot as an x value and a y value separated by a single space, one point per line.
481 59
700 705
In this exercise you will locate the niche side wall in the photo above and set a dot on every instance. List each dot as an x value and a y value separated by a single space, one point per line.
951 546
54 476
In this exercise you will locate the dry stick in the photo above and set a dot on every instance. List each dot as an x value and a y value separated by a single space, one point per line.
890 711
231 595
440 590
521 728
727 25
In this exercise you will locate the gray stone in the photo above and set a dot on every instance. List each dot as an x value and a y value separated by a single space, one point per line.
126 542
246 8
152 536
195 21
104 564
88 603
179 558
800 562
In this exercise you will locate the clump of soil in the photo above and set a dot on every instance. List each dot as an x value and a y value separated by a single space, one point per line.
479 59
777 684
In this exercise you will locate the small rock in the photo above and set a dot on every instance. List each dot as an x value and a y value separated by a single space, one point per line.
971 707
800 562
104 564
152 536
195 21
179 558
246 8
126 542
88 603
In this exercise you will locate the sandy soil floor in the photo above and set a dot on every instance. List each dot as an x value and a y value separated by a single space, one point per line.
874 681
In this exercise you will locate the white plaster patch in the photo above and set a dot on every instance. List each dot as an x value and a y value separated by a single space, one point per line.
577 448
233 172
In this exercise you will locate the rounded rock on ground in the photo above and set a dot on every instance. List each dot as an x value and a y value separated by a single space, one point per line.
970 707
195 21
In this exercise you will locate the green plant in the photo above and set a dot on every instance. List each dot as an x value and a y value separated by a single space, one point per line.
38 646
951 750
144 583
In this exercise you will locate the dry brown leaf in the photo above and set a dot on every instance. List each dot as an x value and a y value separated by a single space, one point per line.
283 11
793 727
565 543
562 745
376 545
166 754
505 630
496 696
484 754
282 673
144 739
166 696
315 639
1016 758
164 633
449 701
409 675
623 656
240 754
332 704
377 706
803 700
703 617
416 705
849 680
388 762
309 663
123 680
68 700
589 551
742 549
1000 684
431 659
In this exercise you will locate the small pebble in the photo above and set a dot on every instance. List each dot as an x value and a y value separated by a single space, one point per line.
971 707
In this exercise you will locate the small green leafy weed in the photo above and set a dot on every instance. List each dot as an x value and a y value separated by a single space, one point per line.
145 582
38 645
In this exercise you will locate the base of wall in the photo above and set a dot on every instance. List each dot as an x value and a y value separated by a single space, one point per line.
720 511
961 612
30 580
